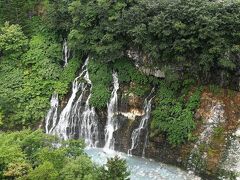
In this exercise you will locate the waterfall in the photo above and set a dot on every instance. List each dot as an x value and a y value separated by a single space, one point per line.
112 109
215 118
61 128
145 143
78 119
52 114
66 52
231 163
88 122
142 126
89 127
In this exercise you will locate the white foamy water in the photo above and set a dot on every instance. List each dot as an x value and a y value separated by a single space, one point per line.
141 168
78 118
232 161
66 52
52 114
135 137
215 118
111 125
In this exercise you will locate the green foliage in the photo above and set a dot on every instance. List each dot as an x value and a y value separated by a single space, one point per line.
43 171
215 89
33 77
100 75
227 174
58 17
129 74
116 169
218 132
18 12
96 29
13 159
12 41
73 148
17 170
33 155
198 35
66 76
79 168
178 121
55 156
29 77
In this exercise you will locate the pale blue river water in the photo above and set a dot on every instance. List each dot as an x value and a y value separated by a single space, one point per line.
142 168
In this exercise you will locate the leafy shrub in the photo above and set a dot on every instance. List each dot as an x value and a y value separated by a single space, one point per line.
115 169
100 75
12 41
173 115
66 76
128 73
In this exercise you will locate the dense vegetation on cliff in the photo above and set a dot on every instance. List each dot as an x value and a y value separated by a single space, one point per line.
183 38
197 35
194 42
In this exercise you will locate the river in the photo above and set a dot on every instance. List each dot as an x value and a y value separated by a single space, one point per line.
141 168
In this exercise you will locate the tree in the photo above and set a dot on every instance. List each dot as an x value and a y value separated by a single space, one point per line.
17 12
33 155
58 17
17 170
80 168
116 169
45 171
12 41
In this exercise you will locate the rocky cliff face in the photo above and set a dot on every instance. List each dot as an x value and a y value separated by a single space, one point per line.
217 118
144 64
223 77
211 154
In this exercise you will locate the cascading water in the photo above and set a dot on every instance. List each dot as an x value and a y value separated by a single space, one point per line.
216 117
142 126
231 162
112 109
52 114
89 126
88 123
78 119
61 128
66 52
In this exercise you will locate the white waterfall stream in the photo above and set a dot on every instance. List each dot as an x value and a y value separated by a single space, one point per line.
75 119
61 128
52 114
66 52
111 125
89 126
83 119
231 162
143 125
89 123
215 118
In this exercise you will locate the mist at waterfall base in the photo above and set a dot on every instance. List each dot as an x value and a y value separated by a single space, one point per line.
79 120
